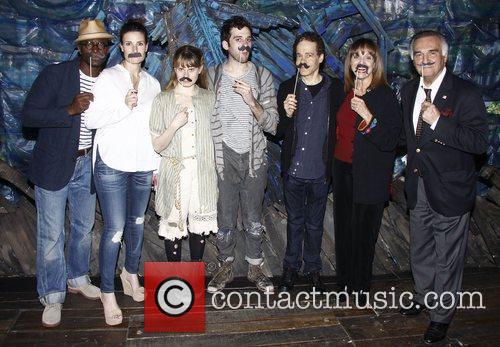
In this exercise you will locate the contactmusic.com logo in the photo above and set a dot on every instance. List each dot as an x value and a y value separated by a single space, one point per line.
175 297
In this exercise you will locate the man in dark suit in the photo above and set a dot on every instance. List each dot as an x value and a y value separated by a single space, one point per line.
445 126
61 170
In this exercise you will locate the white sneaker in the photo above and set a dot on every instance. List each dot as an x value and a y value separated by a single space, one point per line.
51 316
88 290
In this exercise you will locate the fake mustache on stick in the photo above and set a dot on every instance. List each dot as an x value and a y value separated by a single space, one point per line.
244 48
185 78
135 55
304 65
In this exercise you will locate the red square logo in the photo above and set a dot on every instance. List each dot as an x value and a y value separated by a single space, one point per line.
175 297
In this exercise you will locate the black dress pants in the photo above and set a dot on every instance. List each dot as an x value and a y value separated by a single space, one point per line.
356 231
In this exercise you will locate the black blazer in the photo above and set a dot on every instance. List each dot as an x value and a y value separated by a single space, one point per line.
54 156
286 126
445 155
374 152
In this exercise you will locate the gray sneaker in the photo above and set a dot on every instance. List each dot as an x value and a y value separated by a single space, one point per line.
222 276
262 282
51 316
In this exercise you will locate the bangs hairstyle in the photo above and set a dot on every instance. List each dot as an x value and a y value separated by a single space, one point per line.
187 56
364 45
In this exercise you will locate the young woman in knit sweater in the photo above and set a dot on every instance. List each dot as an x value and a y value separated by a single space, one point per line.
186 196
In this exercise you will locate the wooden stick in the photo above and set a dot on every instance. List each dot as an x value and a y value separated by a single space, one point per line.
296 80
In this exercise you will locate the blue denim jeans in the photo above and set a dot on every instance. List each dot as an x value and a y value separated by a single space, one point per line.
53 269
305 203
123 197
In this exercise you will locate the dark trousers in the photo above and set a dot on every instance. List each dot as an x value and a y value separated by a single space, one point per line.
356 231
305 202
437 253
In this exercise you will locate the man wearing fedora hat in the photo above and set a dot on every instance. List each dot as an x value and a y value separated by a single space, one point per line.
61 170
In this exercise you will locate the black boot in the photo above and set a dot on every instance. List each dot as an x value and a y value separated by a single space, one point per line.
314 279
288 280
173 250
196 246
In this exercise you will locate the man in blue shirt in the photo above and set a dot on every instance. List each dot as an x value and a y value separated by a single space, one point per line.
307 109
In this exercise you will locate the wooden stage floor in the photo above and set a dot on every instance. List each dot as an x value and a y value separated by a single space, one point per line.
83 321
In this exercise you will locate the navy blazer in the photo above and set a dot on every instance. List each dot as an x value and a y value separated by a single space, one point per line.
46 108
445 156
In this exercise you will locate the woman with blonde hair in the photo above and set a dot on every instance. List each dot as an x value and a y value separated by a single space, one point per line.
186 196
368 127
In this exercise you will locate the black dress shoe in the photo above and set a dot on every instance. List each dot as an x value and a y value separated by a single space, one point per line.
435 332
314 279
288 280
414 310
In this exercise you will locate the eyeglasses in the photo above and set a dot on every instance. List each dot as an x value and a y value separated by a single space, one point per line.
90 44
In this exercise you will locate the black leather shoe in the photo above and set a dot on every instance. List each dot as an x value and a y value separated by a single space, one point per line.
288 280
314 279
435 332
414 310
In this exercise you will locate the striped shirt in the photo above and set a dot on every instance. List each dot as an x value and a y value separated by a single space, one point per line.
235 115
86 84
266 96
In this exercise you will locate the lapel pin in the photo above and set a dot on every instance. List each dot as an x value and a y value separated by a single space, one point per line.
444 97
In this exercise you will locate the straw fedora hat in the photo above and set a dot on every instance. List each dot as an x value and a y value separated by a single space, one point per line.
92 29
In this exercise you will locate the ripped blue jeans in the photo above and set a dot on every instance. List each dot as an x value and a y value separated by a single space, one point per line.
238 189
123 197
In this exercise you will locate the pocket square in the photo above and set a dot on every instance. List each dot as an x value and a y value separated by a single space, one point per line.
447 112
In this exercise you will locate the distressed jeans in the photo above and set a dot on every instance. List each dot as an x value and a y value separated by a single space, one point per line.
123 197
235 190
53 269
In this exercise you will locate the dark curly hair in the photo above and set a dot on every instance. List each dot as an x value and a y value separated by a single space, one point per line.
233 22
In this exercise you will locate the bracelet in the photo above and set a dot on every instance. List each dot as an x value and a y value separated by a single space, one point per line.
367 127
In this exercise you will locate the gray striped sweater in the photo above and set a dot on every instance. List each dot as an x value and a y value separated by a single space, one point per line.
266 96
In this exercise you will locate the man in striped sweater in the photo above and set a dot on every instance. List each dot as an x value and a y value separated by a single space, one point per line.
245 108
60 169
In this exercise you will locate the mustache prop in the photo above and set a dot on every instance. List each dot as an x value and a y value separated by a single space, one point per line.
135 55
304 65
185 78
245 48
362 66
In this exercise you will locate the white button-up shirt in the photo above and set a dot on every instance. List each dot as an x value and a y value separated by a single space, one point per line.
122 135
420 98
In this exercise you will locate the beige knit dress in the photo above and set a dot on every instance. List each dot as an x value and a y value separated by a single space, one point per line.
186 195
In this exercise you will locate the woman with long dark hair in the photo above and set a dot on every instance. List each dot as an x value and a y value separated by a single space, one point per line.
124 163
186 196
368 127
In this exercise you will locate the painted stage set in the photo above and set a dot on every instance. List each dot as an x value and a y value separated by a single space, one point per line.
34 34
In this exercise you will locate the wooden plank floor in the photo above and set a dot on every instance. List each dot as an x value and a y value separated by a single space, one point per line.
83 321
